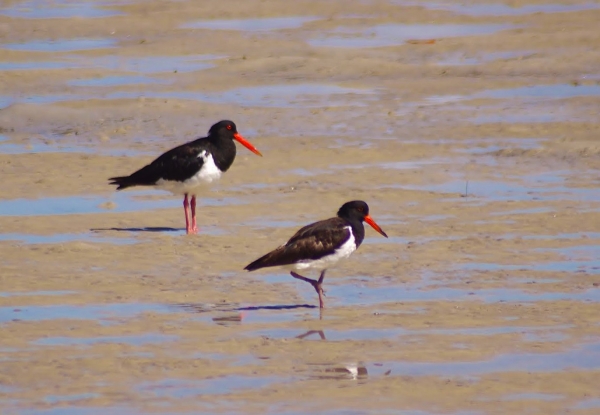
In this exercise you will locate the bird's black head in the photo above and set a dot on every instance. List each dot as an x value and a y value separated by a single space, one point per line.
358 210
227 130
223 129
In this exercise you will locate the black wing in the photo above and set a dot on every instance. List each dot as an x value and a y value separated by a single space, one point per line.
312 242
179 164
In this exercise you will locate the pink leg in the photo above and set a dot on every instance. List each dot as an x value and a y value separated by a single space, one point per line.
193 206
186 205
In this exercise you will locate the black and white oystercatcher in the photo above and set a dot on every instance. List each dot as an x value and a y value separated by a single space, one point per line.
321 244
186 168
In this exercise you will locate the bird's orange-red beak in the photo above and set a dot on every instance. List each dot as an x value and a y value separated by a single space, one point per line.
246 144
374 225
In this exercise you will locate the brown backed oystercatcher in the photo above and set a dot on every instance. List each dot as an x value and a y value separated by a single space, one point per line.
321 244
186 168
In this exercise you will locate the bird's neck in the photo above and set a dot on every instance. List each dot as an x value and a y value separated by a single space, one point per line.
358 230
223 152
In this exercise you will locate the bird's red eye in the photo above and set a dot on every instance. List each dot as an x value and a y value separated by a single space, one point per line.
229 127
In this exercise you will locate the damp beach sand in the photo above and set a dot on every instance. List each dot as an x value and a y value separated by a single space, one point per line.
470 129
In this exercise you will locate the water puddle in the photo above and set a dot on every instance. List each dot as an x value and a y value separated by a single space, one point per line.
589 403
351 294
253 25
540 94
57 238
482 147
267 223
54 399
5 101
301 95
501 9
34 293
156 64
104 313
575 264
396 165
116 80
545 337
57 9
332 335
556 91
61 45
518 362
586 357
397 34
79 410
135 340
23 66
287 96
503 116
235 314
230 359
147 65
116 202
357 292
180 388
491 331
401 240
460 59
57 147
491 190
554 237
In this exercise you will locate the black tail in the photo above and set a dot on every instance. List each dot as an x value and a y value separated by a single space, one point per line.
274 258
122 182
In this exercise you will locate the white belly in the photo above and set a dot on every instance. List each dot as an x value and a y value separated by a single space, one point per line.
207 174
342 252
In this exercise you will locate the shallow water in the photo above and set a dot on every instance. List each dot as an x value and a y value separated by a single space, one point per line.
253 25
118 202
493 284
292 96
144 65
116 80
93 237
556 91
500 9
103 313
135 340
58 9
61 45
177 388
586 357
458 59
397 34
34 293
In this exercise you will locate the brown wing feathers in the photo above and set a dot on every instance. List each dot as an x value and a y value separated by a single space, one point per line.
309 243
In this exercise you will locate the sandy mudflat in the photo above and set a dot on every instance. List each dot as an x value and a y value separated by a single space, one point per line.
471 130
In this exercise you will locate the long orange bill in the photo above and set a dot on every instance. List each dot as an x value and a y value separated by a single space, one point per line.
375 226
246 144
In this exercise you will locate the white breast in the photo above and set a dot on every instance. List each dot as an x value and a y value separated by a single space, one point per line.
342 252
207 174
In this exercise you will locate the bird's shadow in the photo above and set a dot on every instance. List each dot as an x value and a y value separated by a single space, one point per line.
276 307
146 229
201 308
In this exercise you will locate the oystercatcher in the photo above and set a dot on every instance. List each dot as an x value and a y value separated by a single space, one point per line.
184 169
321 244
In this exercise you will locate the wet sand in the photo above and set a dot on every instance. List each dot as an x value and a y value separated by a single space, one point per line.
471 131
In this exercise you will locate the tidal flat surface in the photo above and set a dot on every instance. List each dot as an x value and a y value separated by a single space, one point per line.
470 129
